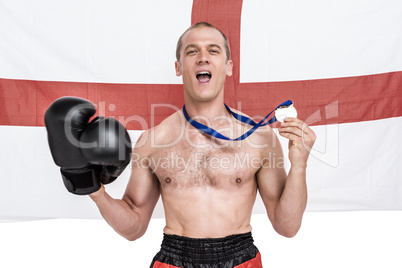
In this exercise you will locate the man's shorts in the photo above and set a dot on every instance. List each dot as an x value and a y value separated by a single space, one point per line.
232 251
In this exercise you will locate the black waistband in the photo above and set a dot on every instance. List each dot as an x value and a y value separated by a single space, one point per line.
207 249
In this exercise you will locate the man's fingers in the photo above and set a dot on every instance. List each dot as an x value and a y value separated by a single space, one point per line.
295 125
291 136
297 131
291 130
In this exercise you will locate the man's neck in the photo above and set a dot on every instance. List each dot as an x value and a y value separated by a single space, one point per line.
207 112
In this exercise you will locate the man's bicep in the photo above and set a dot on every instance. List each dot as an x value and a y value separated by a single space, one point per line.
271 184
271 179
142 192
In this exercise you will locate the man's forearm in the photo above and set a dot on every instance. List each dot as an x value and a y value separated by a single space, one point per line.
119 215
292 204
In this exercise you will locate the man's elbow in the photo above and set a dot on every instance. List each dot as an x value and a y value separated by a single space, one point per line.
287 231
133 233
133 236
289 234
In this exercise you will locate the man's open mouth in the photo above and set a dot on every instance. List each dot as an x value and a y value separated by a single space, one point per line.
204 76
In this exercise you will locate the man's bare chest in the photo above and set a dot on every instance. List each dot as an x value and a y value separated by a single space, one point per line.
186 165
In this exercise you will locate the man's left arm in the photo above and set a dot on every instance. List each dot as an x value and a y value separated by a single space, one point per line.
285 195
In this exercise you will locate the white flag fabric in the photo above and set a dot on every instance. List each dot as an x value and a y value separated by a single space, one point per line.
340 62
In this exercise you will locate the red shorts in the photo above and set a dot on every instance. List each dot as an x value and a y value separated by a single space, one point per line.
232 251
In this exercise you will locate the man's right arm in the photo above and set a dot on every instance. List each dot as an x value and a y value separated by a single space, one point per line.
130 215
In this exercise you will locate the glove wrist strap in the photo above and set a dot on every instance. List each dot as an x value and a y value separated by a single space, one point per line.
80 181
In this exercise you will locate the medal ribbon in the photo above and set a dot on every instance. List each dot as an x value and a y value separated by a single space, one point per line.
212 132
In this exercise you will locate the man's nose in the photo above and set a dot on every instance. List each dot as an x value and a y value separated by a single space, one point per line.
203 57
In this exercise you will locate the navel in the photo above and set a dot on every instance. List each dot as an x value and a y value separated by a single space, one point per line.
238 180
168 180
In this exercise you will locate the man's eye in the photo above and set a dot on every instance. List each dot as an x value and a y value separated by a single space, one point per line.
191 52
213 51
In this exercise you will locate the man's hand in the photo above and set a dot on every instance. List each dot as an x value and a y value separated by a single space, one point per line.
301 140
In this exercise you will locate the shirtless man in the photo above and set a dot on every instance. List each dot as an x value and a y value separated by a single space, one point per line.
208 185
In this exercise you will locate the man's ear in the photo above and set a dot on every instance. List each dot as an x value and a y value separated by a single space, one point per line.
178 68
229 67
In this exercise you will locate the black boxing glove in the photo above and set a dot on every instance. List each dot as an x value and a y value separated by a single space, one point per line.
89 153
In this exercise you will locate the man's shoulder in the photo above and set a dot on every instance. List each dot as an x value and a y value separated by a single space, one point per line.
169 125
165 132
